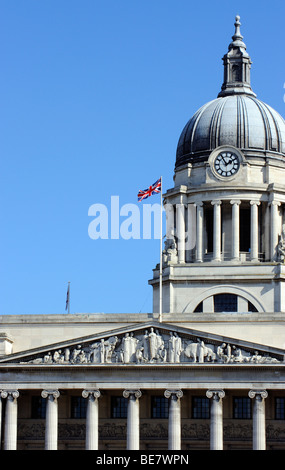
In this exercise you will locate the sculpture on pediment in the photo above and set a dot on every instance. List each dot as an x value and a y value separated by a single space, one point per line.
199 351
155 343
153 346
102 351
174 347
128 350
224 353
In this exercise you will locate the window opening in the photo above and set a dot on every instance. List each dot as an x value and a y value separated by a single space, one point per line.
159 407
242 408
225 303
200 408
119 407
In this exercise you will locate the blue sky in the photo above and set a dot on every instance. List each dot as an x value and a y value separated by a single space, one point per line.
94 95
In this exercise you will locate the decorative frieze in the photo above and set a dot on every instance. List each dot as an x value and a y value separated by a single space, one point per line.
153 345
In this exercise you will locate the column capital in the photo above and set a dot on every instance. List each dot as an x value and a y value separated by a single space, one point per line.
258 394
91 393
129 392
274 203
235 201
10 393
253 203
216 202
215 394
47 393
170 393
198 204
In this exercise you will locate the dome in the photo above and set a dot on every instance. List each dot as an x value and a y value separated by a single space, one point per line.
236 117
239 120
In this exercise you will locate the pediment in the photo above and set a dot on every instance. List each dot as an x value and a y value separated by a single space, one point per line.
149 343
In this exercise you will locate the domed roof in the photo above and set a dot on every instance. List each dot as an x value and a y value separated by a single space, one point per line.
242 121
235 118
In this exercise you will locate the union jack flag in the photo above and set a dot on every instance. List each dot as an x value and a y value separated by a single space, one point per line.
153 189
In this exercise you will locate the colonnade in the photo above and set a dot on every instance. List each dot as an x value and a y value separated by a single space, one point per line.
133 421
191 239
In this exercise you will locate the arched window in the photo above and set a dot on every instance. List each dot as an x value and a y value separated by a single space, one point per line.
225 302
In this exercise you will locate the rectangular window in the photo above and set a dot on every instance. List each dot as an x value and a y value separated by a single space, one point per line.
242 408
119 407
244 227
279 408
159 407
225 303
200 408
209 228
38 408
78 407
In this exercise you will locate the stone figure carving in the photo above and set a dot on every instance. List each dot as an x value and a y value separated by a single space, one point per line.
174 347
199 351
169 253
281 248
128 351
153 346
224 353
102 351
281 245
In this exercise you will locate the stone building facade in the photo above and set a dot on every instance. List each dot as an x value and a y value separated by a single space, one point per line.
207 373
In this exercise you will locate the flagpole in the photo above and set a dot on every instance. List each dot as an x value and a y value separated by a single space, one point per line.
67 303
68 296
160 264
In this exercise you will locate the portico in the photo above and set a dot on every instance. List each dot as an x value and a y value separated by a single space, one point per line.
178 435
197 382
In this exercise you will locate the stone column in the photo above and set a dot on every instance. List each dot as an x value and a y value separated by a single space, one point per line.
169 216
254 230
235 230
174 419
216 426
258 419
199 232
217 231
92 419
274 229
11 413
180 210
190 245
133 420
51 418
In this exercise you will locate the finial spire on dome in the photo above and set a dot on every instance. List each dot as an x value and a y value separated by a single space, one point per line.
237 65
237 34
237 37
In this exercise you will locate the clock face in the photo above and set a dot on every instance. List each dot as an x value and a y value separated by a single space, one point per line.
226 164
